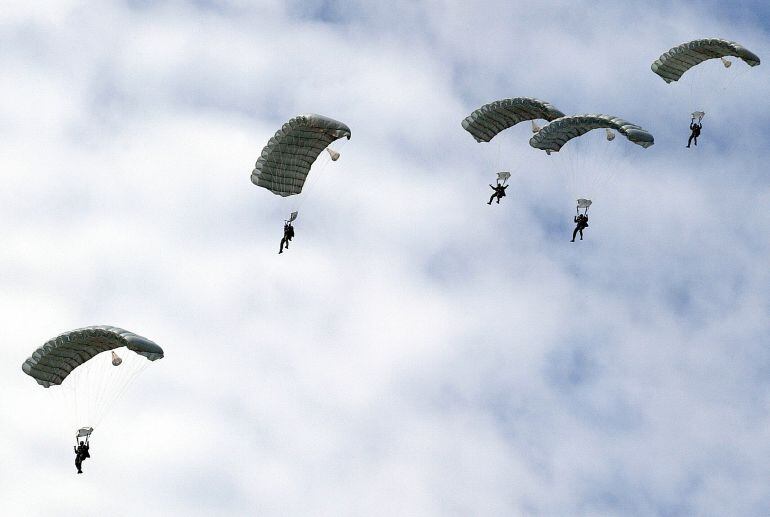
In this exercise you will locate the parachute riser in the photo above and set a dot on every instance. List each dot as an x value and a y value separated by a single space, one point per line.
585 211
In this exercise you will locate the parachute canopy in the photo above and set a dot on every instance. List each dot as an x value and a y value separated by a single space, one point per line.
285 162
490 119
503 176
553 136
673 64
58 357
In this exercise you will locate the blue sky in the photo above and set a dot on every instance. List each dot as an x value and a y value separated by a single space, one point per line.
416 352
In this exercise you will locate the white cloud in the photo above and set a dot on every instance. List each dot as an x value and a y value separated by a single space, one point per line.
416 352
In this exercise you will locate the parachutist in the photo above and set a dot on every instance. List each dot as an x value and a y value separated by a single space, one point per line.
288 235
581 221
499 193
81 358
81 453
695 127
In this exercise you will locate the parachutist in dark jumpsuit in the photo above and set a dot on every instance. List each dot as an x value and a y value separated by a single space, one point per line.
288 235
81 453
499 193
695 127
582 224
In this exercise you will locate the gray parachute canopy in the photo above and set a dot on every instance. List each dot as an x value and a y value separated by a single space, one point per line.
490 119
553 136
673 64
285 162
55 360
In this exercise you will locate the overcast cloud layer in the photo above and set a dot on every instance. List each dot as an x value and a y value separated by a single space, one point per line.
416 352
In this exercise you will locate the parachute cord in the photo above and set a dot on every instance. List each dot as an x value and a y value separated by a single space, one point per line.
317 169
80 387
97 386
699 89
69 400
87 389
734 77
309 185
127 379
107 374
696 87
90 391
594 164
118 380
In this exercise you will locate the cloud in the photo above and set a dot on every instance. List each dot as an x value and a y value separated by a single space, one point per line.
416 352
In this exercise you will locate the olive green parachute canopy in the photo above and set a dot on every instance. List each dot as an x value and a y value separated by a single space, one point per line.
490 119
553 136
673 64
58 357
285 162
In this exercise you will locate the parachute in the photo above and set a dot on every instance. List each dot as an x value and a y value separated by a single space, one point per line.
285 161
57 358
705 87
553 136
592 160
490 119
671 65
85 368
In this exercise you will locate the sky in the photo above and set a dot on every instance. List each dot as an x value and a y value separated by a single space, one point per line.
416 352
